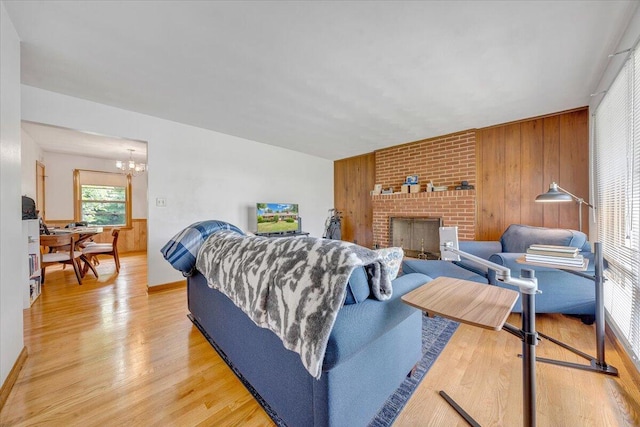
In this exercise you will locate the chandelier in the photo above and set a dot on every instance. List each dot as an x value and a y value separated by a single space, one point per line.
129 166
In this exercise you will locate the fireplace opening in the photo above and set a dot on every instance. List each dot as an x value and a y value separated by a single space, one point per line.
418 237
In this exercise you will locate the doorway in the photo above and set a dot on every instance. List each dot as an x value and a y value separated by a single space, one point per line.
40 182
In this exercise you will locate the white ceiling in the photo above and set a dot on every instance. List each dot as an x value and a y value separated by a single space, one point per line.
332 79
69 141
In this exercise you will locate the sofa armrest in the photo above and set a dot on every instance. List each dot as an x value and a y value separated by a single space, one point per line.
357 325
482 249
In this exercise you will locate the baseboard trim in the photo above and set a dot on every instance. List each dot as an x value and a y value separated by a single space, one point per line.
12 377
624 355
167 286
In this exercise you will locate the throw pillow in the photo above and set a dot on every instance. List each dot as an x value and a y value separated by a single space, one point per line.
182 249
357 287
392 259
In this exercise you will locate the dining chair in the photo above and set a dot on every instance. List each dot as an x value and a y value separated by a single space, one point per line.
91 251
60 249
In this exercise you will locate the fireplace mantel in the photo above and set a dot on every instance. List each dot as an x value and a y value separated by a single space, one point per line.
425 194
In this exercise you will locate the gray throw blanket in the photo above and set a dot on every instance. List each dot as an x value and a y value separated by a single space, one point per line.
292 286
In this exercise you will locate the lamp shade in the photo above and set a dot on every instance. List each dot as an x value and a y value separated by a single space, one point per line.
554 195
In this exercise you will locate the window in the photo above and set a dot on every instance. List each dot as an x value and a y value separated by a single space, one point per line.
102 198
616 178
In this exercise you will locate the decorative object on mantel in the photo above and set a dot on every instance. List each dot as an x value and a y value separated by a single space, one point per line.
412 179
404 188
415 188
130 167
464 185
440 188
388 190
377 189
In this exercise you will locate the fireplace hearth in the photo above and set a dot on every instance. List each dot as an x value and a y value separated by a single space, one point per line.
418 237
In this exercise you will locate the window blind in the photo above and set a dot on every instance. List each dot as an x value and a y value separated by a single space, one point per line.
87 177
616 180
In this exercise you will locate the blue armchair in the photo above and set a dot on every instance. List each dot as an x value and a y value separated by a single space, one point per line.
561 292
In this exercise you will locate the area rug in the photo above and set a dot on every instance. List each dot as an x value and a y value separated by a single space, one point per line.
436 332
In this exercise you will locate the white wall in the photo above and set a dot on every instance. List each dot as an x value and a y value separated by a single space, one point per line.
30 153
202 174
11 260
59 184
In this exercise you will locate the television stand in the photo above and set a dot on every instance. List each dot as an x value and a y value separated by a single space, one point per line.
284 234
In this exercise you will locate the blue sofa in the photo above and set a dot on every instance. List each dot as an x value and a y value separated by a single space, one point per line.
561 292
372 347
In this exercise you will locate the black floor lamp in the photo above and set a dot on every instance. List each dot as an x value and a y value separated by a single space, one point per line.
597 364
557 194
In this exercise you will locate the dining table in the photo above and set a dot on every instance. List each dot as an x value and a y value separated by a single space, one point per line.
83 233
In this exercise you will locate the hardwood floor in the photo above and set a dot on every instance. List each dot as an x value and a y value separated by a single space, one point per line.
107 353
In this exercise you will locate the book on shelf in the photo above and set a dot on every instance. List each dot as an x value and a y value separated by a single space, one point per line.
34 263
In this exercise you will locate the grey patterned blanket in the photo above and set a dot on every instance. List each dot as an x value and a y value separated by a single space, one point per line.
292 286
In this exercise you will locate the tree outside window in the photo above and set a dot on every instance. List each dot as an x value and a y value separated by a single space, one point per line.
103 205
102 198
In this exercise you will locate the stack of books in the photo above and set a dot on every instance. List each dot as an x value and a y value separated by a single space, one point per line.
558 255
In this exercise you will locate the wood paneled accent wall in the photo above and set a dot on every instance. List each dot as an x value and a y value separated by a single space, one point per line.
510 165
353 180
132 239
517 161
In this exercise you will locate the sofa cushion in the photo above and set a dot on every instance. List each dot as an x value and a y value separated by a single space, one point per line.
517 238
435 269
357 287
392 259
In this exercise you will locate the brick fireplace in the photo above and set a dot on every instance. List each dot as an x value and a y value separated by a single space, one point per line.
446 161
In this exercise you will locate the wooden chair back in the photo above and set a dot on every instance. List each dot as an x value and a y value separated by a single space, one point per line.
60 244
92 251
115 233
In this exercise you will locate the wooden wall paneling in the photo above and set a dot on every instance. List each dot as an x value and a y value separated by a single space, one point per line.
551 171
354 179
365 228
574 167
531 169
493 178
40 189
479 184
513 174
341 193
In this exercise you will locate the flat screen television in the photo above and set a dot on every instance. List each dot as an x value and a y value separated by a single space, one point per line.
276 218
